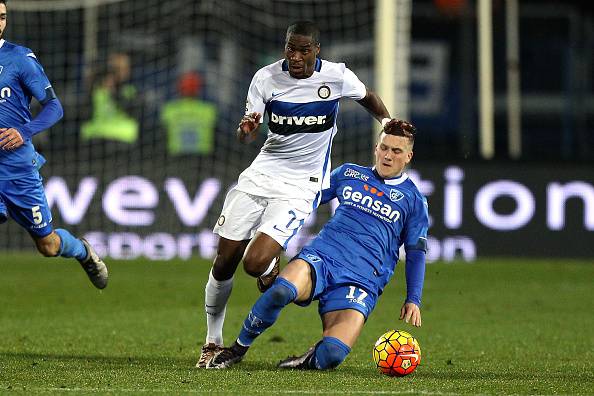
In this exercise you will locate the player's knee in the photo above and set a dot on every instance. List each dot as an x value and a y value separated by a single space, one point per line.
49 246
255 264
330 353
48 249
282 292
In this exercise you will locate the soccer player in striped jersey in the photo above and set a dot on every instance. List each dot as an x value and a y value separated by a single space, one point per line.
277 192
348 264
21 187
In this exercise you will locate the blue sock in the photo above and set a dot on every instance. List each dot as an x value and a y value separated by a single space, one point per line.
266 310
330 352
70 246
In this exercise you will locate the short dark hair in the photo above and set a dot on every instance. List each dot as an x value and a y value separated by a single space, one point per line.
3 2
304 28
401 128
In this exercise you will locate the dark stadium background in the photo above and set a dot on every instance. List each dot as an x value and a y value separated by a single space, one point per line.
556 61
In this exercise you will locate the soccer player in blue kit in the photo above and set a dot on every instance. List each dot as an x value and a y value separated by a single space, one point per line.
21 187
348 264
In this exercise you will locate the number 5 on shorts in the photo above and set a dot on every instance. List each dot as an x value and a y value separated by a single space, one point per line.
37 217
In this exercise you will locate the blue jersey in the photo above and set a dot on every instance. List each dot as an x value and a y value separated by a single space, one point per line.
21 78
374 219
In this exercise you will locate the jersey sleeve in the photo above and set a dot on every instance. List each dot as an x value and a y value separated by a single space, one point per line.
415 229
352 87
33 77
255 98
329 193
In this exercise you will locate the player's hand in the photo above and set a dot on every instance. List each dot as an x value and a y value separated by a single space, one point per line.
246 132
411 313
10 139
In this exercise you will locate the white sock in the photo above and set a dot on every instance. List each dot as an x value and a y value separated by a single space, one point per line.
270 267
215 303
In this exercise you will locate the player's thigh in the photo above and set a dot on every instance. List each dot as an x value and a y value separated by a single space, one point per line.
344 309
283 218
26 204
346 325
240 217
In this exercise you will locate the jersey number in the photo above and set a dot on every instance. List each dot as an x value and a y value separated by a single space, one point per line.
351 294
37 217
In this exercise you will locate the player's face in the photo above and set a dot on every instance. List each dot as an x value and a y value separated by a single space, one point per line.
2 19
392 154
301 52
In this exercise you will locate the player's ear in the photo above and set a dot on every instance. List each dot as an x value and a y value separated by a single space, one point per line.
409 156
317 49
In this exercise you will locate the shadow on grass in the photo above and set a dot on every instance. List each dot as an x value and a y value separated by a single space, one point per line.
94 359
127 361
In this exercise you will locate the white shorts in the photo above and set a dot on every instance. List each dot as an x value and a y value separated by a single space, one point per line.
245 214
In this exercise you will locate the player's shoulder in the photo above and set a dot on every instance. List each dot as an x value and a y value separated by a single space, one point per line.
410 185
270 70
332 66
18 49
414 191
350 170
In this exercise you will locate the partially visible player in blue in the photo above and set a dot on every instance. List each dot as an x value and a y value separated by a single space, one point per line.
21 187
348 264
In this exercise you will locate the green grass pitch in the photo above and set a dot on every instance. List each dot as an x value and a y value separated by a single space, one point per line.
493 327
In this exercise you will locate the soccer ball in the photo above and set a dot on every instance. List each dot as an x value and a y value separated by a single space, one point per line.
397 353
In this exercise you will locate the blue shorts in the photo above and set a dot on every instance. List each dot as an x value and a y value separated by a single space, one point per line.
335 288
26 204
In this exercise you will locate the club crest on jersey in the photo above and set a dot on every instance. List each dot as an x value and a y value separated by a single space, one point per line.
324 92
395 195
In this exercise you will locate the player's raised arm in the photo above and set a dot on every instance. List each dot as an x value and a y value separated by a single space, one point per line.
375 106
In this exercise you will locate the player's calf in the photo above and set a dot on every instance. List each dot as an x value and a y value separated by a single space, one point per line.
48 246
330 353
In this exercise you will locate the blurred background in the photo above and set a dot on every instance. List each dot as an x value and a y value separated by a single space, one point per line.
502 93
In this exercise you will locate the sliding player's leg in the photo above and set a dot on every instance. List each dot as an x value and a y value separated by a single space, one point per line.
341 330
343 308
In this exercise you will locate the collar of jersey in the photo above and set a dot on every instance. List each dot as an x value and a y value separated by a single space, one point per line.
317 68
1 42
393 181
